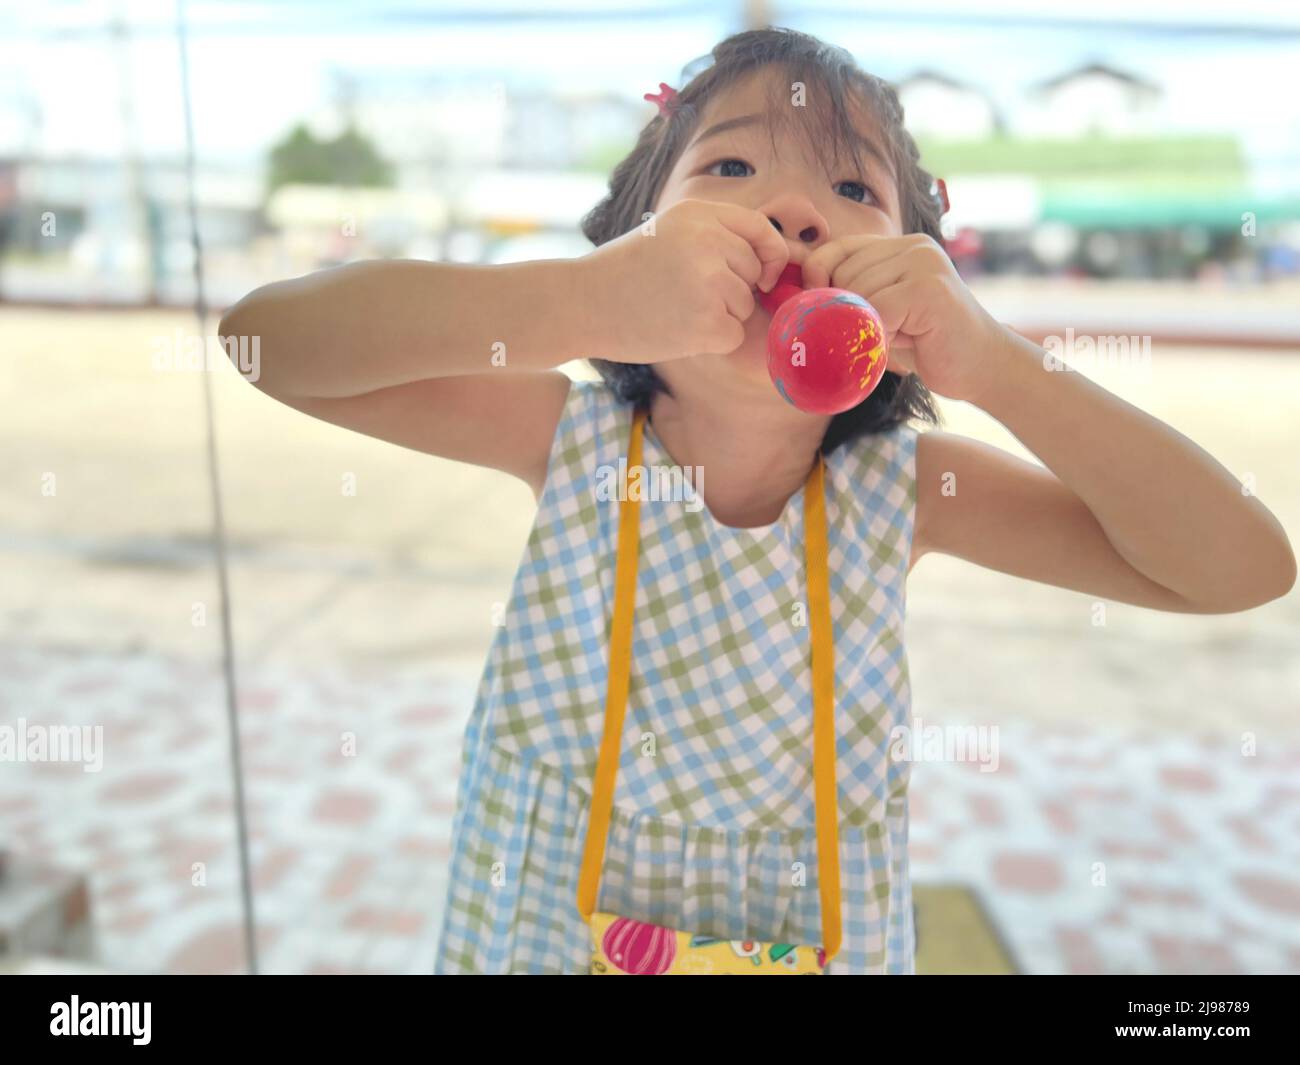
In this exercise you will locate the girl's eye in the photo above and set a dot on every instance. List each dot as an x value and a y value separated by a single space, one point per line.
854 190
731 168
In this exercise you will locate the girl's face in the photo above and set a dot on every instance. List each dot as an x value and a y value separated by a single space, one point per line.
730 158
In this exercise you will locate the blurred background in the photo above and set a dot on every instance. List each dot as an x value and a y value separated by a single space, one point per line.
1123 177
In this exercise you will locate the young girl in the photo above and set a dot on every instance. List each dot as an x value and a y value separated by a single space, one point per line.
782 151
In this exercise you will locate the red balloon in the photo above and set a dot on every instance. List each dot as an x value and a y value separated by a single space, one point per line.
825 347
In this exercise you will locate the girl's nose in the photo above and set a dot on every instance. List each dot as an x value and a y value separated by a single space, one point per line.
797 219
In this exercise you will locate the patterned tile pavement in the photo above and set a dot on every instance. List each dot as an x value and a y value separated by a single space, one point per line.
350 784
1096 849
1100 851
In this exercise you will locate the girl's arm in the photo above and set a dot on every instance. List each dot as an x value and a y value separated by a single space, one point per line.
454 360
369 325
1128 508
460 361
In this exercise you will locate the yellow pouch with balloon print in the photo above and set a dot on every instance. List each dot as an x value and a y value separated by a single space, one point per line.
623 947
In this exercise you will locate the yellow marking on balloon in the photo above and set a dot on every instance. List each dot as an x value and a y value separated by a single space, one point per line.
873 354
863 335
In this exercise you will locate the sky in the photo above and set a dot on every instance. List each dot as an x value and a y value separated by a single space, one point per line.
258 67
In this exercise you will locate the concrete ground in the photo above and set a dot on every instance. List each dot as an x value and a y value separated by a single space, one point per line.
1124 829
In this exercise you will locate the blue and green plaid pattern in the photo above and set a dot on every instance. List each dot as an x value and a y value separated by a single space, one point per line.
713 827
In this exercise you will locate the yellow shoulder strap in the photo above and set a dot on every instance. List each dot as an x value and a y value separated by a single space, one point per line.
823 670
823 682
620 667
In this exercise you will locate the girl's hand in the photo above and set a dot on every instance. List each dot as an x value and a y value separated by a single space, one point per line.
935 328
680 284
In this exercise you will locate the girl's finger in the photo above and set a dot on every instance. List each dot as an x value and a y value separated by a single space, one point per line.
895 304
738 297
868 279
828 258
759 233
742 260
818 266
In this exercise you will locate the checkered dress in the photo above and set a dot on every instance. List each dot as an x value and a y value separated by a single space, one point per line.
712 830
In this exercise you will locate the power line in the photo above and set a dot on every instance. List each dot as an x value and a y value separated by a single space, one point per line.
318 18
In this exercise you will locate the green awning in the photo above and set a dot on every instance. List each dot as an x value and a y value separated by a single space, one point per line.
1107 209
1121 182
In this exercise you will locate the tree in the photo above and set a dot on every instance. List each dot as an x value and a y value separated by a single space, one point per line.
348 159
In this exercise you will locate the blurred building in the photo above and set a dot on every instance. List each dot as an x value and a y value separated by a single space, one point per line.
1082 176
91 229
943 108
1092 100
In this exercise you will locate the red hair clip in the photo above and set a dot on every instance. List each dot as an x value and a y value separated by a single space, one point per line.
666 97
942 194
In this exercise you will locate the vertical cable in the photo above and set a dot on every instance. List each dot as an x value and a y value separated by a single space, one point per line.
218 520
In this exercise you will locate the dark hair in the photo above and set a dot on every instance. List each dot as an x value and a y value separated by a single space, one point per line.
827 72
